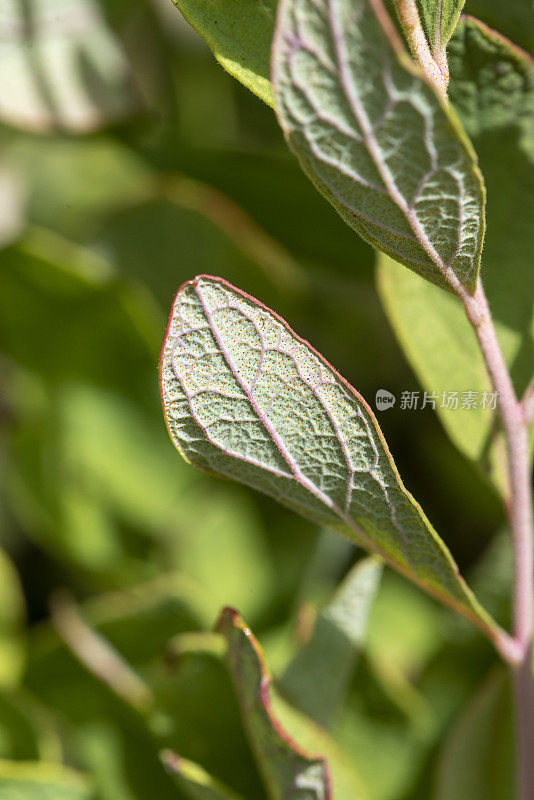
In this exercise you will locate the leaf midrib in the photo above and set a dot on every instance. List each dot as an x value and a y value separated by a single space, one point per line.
363 121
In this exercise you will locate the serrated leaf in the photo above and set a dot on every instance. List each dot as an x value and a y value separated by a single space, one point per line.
35 780
239 32
316 681
195 781
246 398
439 19
492 86
375 138
277 733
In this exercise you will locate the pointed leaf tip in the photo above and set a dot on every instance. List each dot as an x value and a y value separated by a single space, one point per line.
244 397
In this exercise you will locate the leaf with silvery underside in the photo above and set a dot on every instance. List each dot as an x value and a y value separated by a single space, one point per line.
376 139
246 398
297 759
317 679
492 88
439 19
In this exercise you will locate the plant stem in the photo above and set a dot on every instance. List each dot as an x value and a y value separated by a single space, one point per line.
515 425
516 417
527 402
434 65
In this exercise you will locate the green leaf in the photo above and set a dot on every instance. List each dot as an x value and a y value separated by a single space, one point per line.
277 733
375 138
35 780
477 757
317 679
515 18
190 682
195 781
239 32
492 86
61 67
439 19
12 646
246 398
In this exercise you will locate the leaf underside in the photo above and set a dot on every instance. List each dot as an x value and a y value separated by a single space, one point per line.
246 398
439 19
375 138
492 88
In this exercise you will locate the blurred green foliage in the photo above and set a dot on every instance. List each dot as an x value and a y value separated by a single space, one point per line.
130 162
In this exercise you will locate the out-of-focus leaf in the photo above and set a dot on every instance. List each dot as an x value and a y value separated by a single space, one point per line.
12 204
67 290
317 679
28 730
514 19
424 319
27 780
239 32
277 734
346 94
136 624
189 684
385 732
405 629
12 649
61 67
492 87
196 782
439 19
70 184
477 757
246 398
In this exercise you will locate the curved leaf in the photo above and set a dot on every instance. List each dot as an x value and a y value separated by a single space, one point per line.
239 32
246 398
278 733
375 138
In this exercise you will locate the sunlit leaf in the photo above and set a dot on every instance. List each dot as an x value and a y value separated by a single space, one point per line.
195 781
239 33
375 138
278 734
32 780
246 398
317 679
492 86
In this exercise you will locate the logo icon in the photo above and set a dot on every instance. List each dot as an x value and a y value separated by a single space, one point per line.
384 400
